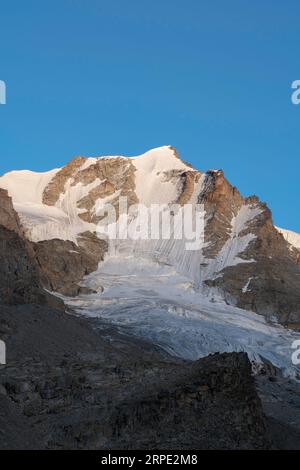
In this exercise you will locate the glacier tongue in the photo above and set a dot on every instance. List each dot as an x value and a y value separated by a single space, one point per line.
152 300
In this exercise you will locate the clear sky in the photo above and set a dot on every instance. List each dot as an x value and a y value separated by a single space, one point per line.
107 77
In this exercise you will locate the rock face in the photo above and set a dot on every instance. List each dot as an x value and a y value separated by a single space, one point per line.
70 386
244 261
200 394
8 217
114 178
19 276
269 281
62 264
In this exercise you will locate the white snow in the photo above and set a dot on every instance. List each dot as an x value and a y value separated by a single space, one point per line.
291 237
246 213
246 286
150 177
40 221
26 186
44 223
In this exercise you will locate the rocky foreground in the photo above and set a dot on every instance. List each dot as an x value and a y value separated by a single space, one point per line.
74 384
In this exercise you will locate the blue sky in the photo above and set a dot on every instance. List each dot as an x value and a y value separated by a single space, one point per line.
212 78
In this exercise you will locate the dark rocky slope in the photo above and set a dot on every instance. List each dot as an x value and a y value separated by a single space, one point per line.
72 383
19 275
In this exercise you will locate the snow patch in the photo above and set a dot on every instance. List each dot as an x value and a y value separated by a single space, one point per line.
291 237
26 186
246 286
150 177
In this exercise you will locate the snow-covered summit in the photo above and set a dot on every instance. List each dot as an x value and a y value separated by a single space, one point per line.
160 159
62 214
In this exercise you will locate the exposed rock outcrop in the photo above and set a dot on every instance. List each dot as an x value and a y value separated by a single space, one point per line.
108 177
63 265
8 217
19 276
269 282
57 184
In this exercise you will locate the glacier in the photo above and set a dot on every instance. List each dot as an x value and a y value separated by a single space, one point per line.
150 299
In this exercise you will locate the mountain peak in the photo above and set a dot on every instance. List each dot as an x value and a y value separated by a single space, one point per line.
160 159
165 157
